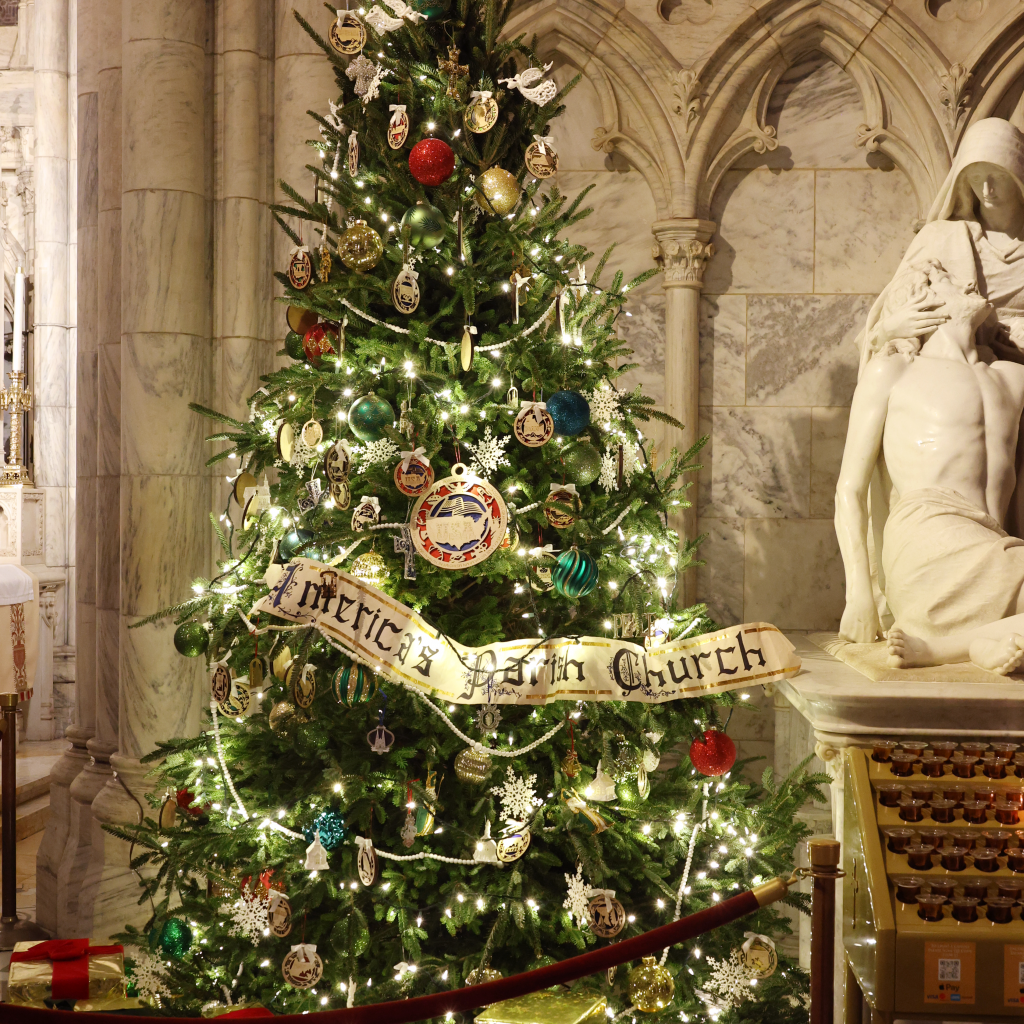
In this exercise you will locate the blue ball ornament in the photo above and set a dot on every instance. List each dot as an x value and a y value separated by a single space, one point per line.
332 829
570 412
575 573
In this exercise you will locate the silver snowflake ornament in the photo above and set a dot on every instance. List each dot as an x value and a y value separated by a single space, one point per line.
609 478
488 454
147 975
577 900
604 405
517 796
382 451
249 917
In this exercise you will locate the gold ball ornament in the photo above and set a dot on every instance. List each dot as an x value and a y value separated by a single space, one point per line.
651 986
472 765
282 716
499 191
370 567
482 974
360 247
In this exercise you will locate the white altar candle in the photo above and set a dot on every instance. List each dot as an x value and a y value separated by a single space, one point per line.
19 322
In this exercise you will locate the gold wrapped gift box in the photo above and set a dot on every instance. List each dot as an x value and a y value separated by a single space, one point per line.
548 1007
30 982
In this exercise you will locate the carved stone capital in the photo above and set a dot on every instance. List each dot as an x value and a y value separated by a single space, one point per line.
682 249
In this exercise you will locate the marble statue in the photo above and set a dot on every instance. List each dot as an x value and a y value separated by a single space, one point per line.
927 503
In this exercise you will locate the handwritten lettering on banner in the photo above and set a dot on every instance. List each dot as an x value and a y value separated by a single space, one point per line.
393 640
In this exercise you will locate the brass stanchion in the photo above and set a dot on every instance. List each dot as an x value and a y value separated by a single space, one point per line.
824 870
12 929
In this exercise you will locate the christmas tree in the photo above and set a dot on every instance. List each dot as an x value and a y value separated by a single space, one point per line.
439 496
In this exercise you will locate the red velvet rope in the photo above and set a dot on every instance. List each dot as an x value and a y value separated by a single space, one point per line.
404 1011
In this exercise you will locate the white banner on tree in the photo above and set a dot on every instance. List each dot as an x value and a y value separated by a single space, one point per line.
393 640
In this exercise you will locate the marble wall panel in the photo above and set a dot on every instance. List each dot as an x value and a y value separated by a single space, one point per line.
864 221
244 225
240 72
56 531
642 326
723 349
765 236
828 437
107 557
52 366
108 436
167 21
800 348
573 131
758 460
51 436
793 576
720 579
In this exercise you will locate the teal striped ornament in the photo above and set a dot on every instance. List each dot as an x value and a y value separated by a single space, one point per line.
354 685
574 574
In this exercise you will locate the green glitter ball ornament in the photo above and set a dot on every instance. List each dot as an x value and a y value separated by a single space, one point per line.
331 826
191 639
426 225
369 415
354 684
432 10
293 346
175 938
582 463
575 573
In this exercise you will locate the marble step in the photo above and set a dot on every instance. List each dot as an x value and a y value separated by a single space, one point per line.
32 816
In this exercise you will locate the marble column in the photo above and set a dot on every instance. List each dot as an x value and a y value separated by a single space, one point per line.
683 249
243 225
303 80
51 350
55 894
165 364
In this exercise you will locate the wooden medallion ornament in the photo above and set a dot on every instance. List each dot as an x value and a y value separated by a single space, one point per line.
533 425
353 155
243 482
605 914
758 955
347 34
405 292
168 812
303 685
367 862
256 672
481 113
541 158
341 493
460 520
367 513
300 269
312 433
237 701
286 441
413 474
562 506
468 347
300 320
279 915
513 845
338 461
302 967
220 682
398 126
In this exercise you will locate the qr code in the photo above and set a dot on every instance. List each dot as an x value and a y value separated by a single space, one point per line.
949 970
1020 973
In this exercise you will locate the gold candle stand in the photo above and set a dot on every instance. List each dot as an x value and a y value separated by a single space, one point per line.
15 400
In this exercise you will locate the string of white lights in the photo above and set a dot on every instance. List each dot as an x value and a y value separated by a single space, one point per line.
223 762
436 341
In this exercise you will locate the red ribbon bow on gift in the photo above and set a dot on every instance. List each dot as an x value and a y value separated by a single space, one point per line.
70 958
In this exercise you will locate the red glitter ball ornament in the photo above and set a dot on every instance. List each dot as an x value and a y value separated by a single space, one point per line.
431 161
714 754
319 341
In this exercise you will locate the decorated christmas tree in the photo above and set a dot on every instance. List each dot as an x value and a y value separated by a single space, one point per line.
452 689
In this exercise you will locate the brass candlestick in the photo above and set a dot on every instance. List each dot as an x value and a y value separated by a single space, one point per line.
15 400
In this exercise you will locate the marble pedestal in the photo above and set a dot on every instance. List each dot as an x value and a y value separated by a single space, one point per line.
846 708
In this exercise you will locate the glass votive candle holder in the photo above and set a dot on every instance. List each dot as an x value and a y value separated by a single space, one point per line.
929 906
899 839
945 887
933 767
1000 910
932 836
954 858
902 765
985 859
1010 888
982 791
915 747
908 889
882 750
975 811
976 889
966 838
1015 859
954 793
994 767
963 767
973 748
1018 766
942 748
1004 748
965 909
1014 795
919 856
1007 813
944 811
890 793
997 839
913 810
922 791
